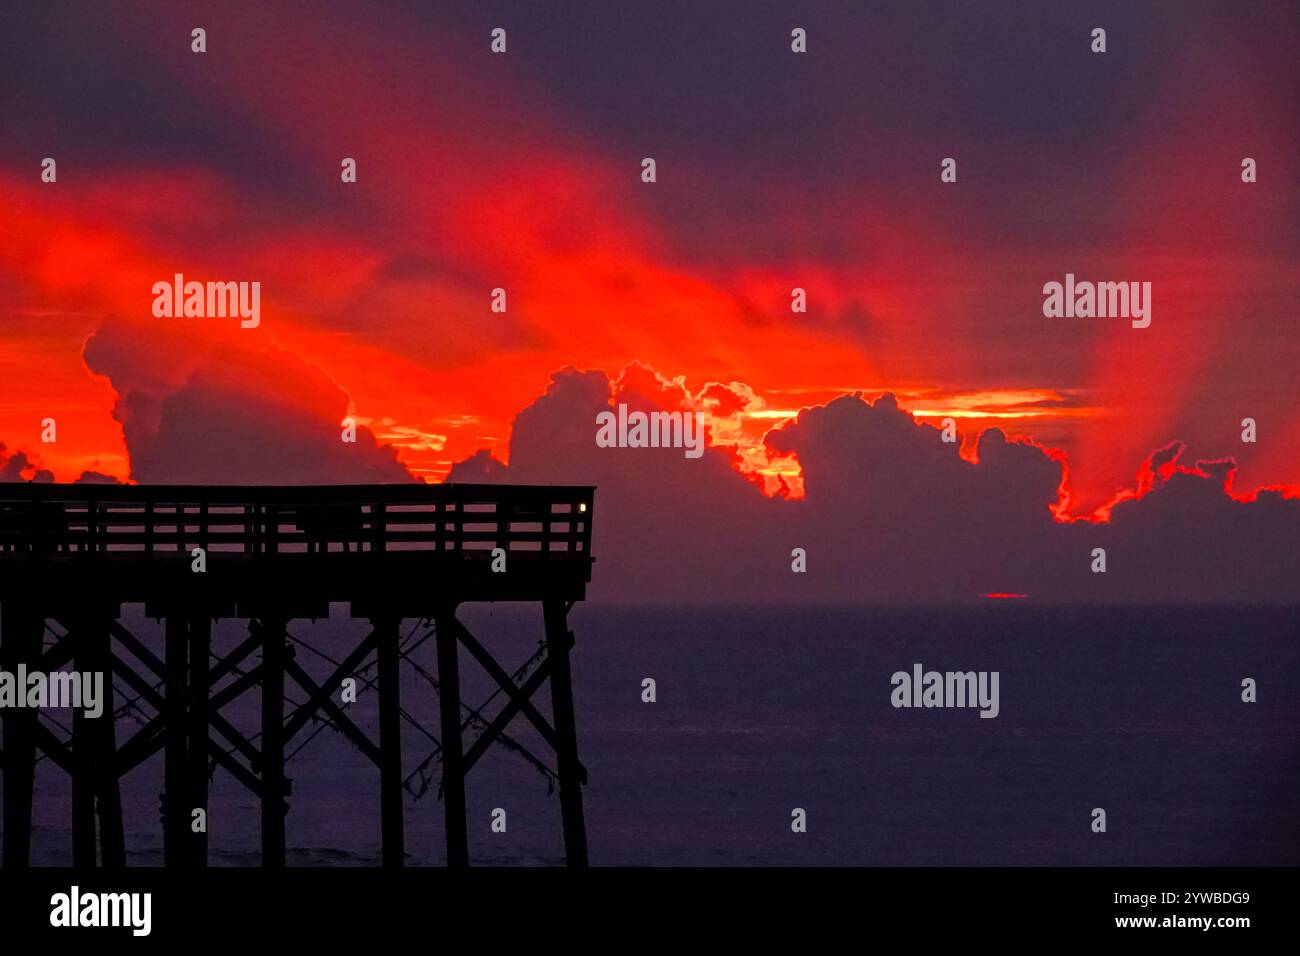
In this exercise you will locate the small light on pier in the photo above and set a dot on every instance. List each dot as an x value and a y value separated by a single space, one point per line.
582 506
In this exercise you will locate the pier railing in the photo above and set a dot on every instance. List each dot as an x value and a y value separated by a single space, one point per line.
122 523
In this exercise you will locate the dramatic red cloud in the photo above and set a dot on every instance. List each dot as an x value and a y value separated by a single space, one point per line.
376 294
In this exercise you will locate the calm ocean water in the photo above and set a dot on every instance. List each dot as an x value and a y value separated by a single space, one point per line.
1137 711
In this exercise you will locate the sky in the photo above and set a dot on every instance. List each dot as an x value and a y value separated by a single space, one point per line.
774 170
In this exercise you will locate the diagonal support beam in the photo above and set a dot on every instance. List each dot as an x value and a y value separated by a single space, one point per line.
522 703
502 720
237 770
54 748
142 745
235 688
232 660
150 739
341 720
321 695
223 667
59 654
132 643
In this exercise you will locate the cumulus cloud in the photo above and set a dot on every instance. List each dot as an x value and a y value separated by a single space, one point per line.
233 416
91 477
667 524
891 513
895 513
479 468
1186 538
18 466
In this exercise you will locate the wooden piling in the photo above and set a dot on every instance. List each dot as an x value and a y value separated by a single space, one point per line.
107 784
453 755
200 640
390 743
558 642
84 744
21 628
273 789
176 752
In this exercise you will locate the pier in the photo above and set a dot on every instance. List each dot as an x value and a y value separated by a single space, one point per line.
72 555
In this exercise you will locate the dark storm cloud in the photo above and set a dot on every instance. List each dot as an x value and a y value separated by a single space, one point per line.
892 514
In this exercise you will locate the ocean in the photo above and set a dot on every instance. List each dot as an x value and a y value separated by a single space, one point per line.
760 712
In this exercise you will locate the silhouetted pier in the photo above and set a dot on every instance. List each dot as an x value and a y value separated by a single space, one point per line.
72 555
